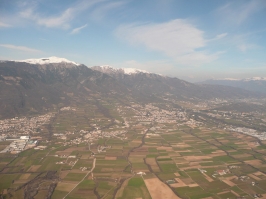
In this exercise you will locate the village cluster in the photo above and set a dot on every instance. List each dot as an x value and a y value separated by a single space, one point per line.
251 132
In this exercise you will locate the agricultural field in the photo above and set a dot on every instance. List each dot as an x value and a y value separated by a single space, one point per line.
108 152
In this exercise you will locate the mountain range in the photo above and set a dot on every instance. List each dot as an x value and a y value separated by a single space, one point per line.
157 84
38 85
257 84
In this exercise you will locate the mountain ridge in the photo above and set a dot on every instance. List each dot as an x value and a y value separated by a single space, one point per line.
33 88
109 70
49 60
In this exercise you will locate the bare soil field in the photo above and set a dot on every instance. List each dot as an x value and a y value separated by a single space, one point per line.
180 161
208 177
183 145
254 162
193 163
179 184
258 173
159 190
136 141
217 151
34 168
196 158
152 162
165 148
236 194
217 154
223 141
139 153
110 158
63 174
141 149
193 185
189 182
174 154
84 157
25 176
223 192
228 180
254 177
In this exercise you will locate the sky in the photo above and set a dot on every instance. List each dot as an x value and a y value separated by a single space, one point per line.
190 39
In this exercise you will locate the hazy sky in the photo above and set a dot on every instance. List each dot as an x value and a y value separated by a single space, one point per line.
197 39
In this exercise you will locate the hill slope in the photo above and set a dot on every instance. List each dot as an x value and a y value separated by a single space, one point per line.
26 87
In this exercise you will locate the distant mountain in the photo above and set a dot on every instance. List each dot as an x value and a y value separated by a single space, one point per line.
38 85
257 84
159 85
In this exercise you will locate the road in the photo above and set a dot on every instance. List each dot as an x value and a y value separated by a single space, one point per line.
93 166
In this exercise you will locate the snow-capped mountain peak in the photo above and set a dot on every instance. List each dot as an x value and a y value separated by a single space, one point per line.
128 71
133 71
49 60
255 79
231 79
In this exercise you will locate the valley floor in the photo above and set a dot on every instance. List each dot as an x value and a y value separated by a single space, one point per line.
134 152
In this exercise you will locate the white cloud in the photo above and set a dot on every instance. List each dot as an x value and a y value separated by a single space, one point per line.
218 37
4 25
233 13
177 39
62 20
20 48
221 36
77 30
100 12
245 42
244 47
197 58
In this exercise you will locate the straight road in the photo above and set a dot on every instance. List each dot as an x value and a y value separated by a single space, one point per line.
93 166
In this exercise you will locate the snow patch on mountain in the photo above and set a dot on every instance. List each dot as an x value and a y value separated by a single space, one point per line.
231 79
255 79
49 60
246 79
127 71
133 71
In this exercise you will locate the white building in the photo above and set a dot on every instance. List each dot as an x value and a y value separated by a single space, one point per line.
24 137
